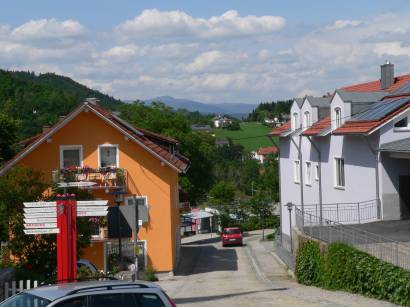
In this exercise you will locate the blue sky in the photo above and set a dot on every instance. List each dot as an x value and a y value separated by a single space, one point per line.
214 51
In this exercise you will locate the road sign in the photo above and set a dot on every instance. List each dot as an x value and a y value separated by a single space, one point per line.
91 213
77 184
92 208
40 225
41 231
82 203
39 204
39 214
41 220
39 210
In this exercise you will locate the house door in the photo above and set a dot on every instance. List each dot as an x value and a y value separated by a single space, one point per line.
404 191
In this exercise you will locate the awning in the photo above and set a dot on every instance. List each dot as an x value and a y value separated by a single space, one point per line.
198 215
396 146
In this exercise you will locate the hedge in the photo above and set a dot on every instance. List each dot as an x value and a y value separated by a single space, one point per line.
341 267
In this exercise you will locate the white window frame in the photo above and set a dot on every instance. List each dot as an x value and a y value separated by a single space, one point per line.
295 120
108 145
317 172
70 147
308 173
296 171
306 119
336 172
338 117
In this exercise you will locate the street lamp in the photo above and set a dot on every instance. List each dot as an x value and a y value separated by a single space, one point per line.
290 205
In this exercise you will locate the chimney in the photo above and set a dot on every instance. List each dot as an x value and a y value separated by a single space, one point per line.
387 75
92 100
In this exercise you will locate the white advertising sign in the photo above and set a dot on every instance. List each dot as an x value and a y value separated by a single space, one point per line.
41 231
40 225
101 208
41 220
82 203
39 204
91 213
39 210
39 215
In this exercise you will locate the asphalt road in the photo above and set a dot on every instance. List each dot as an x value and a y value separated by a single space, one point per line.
248 275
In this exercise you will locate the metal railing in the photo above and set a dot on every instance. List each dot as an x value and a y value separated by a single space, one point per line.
397 253
346 213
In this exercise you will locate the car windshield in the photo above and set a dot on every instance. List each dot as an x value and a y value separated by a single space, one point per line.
25 299
232 231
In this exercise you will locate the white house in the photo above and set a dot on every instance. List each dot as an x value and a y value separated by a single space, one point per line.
221 121
346 157
263 152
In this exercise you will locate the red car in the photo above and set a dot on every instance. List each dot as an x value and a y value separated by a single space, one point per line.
231 236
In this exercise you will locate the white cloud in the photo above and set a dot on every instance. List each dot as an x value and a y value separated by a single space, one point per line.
179 23
344 23
392 49
48 28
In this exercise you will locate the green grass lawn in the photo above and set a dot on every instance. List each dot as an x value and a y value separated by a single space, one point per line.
251 136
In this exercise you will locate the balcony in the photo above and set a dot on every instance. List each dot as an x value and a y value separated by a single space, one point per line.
99 178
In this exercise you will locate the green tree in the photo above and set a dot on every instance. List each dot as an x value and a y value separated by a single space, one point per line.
222 193
8 137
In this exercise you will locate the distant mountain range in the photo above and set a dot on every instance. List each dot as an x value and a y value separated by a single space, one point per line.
233 109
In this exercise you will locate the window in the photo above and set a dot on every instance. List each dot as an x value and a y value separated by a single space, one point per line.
317 172
295 121
71 155
308 173
403 123
25 299
306 120
338 117
296 174
340 172
79 301
108 155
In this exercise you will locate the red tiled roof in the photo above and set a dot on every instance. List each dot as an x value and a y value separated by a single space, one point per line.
373 86
364 127
281 129
155 142
318 127
267 150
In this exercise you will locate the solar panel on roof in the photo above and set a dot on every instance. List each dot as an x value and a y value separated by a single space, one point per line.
381 109
403 89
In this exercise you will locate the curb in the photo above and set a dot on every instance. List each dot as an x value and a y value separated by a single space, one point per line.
285 266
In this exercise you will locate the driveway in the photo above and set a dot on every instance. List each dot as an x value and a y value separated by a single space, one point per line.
249 275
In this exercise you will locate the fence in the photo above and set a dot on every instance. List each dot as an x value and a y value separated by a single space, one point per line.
397 253
346 213
14 287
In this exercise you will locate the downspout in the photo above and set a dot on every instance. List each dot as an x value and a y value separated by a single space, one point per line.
377 155
280 194
319 165
302 203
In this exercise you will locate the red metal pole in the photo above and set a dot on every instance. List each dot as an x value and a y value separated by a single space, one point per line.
73 237
62 239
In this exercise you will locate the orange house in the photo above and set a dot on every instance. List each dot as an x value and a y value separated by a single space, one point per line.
91 137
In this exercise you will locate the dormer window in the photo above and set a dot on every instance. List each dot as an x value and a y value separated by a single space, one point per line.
338 117
402 124
295 121
306 118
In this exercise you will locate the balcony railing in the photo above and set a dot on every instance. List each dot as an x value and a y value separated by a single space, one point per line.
102 177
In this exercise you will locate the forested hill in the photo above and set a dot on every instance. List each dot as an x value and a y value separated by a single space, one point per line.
37 100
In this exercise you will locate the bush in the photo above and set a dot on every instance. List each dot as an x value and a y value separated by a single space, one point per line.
342 267
149 275
308 263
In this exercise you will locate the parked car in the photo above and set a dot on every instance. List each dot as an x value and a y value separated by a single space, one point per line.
113 293
231 236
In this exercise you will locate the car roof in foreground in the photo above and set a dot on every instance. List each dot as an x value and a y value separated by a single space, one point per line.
232 228
56 291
